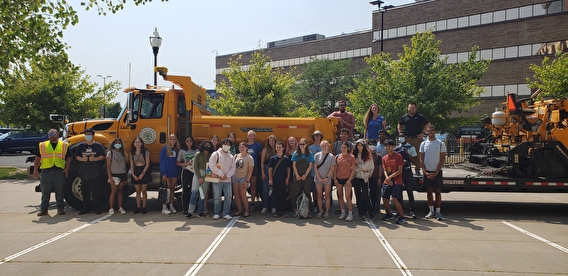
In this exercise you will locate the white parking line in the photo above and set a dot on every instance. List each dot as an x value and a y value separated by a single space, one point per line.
561 248
401 266
58 237
201 261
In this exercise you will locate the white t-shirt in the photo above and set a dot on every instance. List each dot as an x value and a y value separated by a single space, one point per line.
431 150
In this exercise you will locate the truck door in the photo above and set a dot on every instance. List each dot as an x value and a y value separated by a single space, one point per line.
184 128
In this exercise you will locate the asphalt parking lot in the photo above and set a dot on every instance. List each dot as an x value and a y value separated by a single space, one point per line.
482 233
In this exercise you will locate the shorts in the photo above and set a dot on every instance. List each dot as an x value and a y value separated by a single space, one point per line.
394 191
146 179
256 171
241 180
121 176
341 181
435 183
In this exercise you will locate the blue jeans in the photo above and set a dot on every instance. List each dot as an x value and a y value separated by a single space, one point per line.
226 189
195 197
52 178
267 201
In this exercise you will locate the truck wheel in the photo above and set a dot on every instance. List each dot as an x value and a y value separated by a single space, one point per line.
72 189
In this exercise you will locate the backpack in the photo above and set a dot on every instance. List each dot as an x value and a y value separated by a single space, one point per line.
302 206
407 161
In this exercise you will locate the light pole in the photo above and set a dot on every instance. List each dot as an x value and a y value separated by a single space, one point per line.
383 23
155 42
104 91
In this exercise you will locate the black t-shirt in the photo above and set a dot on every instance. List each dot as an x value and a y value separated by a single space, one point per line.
413 124
90 169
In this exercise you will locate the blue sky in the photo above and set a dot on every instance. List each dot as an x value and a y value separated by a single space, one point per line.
193 32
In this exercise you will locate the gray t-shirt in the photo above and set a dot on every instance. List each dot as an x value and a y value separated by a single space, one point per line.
187 156
432 150
117 161
323 169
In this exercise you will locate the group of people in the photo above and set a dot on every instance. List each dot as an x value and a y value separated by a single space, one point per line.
284 170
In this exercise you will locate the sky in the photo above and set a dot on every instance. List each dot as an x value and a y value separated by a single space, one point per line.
193 32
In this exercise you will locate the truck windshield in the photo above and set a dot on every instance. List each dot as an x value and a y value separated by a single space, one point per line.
152 106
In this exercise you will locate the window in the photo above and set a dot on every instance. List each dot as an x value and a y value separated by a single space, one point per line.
452 58
498 16
181 106
486 18
512 14
452 23
498 53
474 20
525 51
411 30
539 9
391 33
498 91
525 11
440 25
421 27
511 88
487 54
524 89
486 92
401 31
429 26
462 57
463 22
511 52
152 106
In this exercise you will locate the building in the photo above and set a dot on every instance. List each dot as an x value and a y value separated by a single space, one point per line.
513 34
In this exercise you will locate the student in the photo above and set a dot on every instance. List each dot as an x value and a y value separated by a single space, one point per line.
221 163
345 118
254 149
170 170
302 162
432 158
344 172
317 137
200 165
363 169
279 177
373 122
141 175
185 162
117 171
415 125
375 179
392 185
408 152
267 152
90 154
324 167
244 166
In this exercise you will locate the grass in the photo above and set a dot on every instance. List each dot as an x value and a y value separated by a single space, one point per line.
13 173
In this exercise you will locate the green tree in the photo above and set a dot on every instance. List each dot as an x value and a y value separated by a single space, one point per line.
259 90
420 75
322 83
551 78
53 85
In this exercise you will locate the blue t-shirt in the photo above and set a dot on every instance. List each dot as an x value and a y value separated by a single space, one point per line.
374 126
254 150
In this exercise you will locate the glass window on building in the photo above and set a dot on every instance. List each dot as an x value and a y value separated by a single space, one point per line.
463 22
474 20
525 51
511 88
539 9
525 11
487 54
512 14
401 31
498 16
486 18
498 53
452 23
440 26
486 93
511 52
524 89
498 91
462 57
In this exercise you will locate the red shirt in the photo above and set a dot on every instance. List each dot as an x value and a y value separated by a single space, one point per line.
391 162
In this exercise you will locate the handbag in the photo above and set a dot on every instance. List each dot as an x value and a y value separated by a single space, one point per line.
209 175
163 194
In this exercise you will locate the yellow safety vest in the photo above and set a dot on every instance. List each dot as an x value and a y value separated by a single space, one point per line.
52 157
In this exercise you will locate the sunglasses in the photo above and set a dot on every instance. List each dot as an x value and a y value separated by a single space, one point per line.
52 134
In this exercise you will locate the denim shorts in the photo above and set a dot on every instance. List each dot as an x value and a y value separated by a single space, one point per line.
240 180
395 191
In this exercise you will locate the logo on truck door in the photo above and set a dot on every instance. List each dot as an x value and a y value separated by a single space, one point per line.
148 135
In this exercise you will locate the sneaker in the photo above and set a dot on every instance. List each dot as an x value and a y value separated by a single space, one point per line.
316 210
342 216
144 211
388 217
439 216
401 220
417 172
371 217
82 212
98 212
349 218
273 210
326 215
43 212
172 209
337 212
227 217
274 214
121 210
136 211
264 210
188 216
430 214
205 211
111 211
412 215
216 217
319 215
166 211
360 216
60 211
201 215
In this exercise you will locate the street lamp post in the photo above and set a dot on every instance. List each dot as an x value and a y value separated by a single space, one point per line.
104 91
155 42
378 3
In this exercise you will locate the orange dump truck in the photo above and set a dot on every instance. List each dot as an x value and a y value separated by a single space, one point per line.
153 113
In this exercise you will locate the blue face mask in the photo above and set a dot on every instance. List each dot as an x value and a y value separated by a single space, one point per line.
89 138
117 146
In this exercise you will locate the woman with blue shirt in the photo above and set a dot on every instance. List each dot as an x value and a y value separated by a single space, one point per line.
374 122
302 162
170 169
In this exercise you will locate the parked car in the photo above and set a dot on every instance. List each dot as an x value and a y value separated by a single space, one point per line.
16 141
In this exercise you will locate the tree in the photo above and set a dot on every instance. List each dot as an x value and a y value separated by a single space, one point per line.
259 90
322 83
551 78
32 28
420 75
53 85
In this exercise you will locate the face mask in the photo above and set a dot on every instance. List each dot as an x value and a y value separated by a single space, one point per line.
401 139
372 147
117 146
89 138
226 147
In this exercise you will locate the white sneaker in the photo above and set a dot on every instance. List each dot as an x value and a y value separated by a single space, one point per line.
166 211
264 210
349 217
430 214
111 211
342 216
121 210
227 217
216 217
273 210
172 209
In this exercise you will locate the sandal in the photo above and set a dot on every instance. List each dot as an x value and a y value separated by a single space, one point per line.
237 214
246 214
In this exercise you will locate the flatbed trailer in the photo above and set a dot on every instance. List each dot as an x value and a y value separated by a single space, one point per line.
478 178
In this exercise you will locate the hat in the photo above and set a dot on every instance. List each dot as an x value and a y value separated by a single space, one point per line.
317 132
89 130
362 141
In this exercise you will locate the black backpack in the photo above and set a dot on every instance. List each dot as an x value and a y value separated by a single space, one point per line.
407 161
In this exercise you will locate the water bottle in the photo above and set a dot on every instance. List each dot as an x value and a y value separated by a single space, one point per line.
270 191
